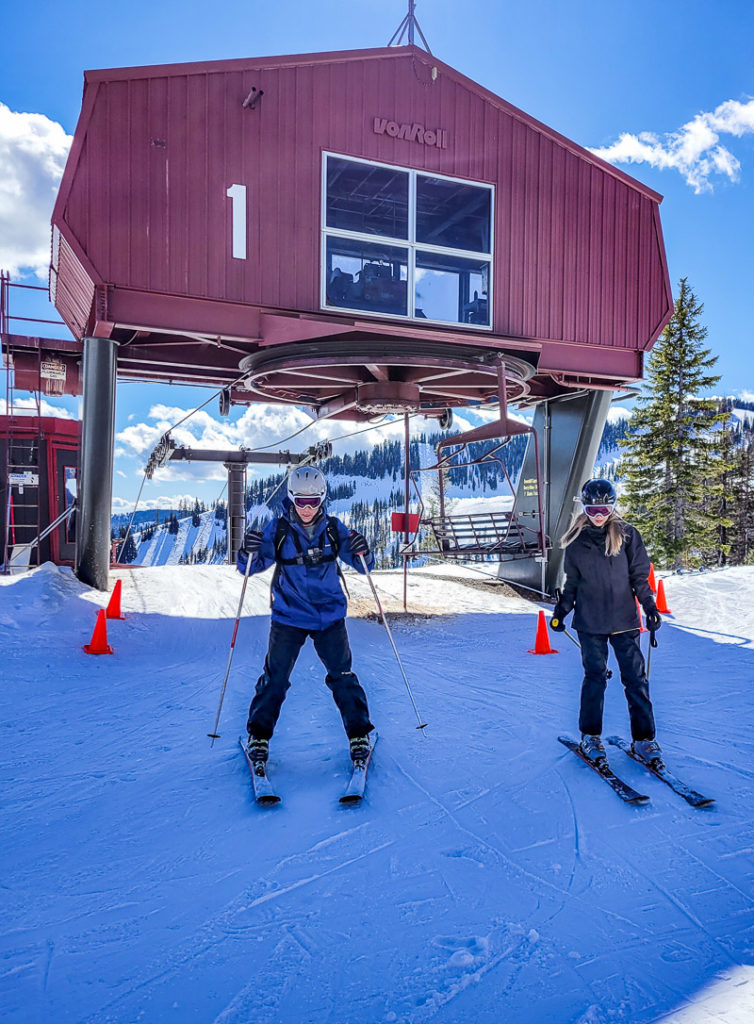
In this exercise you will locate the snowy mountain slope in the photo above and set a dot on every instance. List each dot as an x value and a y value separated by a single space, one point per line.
165 548
488 877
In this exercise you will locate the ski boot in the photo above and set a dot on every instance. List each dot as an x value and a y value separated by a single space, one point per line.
258 753
649 751
592 748
360 747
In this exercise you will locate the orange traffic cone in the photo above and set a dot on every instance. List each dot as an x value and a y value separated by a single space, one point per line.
642 628
98 644
542 641
113 607
651 578
662 604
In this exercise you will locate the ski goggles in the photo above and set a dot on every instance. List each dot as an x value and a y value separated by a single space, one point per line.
598 510
304 501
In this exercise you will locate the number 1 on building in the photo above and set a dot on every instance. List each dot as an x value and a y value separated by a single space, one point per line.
237 196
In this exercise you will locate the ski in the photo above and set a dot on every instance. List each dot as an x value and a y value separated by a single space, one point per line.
354 791
661 772
264 794
603 769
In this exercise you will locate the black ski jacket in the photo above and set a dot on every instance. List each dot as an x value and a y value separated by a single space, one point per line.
603 588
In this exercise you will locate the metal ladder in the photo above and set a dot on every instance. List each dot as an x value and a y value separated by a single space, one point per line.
23 518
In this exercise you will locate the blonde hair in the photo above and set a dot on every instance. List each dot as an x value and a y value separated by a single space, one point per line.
613 531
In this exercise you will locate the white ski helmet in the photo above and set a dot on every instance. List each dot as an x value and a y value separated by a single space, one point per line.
306 482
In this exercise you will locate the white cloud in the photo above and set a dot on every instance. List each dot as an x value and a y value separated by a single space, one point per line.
269 427
33 151
694 150
123 506
28 407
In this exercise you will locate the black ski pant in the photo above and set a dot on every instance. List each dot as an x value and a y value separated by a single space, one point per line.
627 649
332 647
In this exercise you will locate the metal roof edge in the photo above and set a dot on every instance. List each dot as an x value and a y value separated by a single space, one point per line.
244 63
74 155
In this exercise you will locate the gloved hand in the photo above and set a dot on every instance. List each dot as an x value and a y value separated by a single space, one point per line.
557 622
251 541
358 544
654 619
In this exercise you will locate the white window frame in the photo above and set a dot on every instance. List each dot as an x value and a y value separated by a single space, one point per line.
409 244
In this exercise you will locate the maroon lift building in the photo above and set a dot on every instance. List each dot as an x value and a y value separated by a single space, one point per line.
353 232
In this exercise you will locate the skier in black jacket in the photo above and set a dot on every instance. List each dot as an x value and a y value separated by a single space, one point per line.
607 569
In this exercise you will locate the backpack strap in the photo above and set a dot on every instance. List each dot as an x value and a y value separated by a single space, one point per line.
334 537
332 533
281 532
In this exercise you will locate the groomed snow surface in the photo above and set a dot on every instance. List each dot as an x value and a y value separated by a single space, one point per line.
488 878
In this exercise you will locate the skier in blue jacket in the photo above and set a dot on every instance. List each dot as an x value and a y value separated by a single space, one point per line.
307 601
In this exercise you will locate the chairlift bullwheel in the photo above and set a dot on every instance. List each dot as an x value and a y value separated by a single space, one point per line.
358 378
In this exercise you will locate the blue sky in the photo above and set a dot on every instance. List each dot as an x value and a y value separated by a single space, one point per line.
665 90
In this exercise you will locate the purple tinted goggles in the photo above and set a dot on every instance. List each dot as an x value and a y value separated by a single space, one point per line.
598 510
302 501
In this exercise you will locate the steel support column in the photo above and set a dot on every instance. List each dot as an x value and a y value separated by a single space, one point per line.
569 430
96 475
236 508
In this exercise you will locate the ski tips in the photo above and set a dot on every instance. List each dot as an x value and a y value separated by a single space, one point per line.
268 799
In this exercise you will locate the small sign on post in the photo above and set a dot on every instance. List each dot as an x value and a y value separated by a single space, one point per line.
399 522
25 479
52 372
51 369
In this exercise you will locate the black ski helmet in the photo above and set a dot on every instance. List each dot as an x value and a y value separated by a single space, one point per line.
598 492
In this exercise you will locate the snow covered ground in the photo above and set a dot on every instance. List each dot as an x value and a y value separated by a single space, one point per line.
488 878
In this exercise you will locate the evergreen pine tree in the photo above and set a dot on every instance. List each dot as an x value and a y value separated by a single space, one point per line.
719 500
742 487
673 436
128 552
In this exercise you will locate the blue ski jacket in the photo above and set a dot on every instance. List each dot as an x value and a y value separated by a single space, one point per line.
306 596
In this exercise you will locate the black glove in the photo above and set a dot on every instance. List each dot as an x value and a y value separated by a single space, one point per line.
654 619
358 544
251 541
557 622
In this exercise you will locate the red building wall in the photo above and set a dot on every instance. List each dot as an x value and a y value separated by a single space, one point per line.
578 252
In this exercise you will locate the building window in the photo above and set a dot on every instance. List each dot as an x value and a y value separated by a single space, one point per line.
405 243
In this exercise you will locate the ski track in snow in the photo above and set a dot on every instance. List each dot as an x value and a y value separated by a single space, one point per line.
488 876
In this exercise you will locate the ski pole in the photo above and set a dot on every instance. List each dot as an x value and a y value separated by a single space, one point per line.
652 643
421 725
215 735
